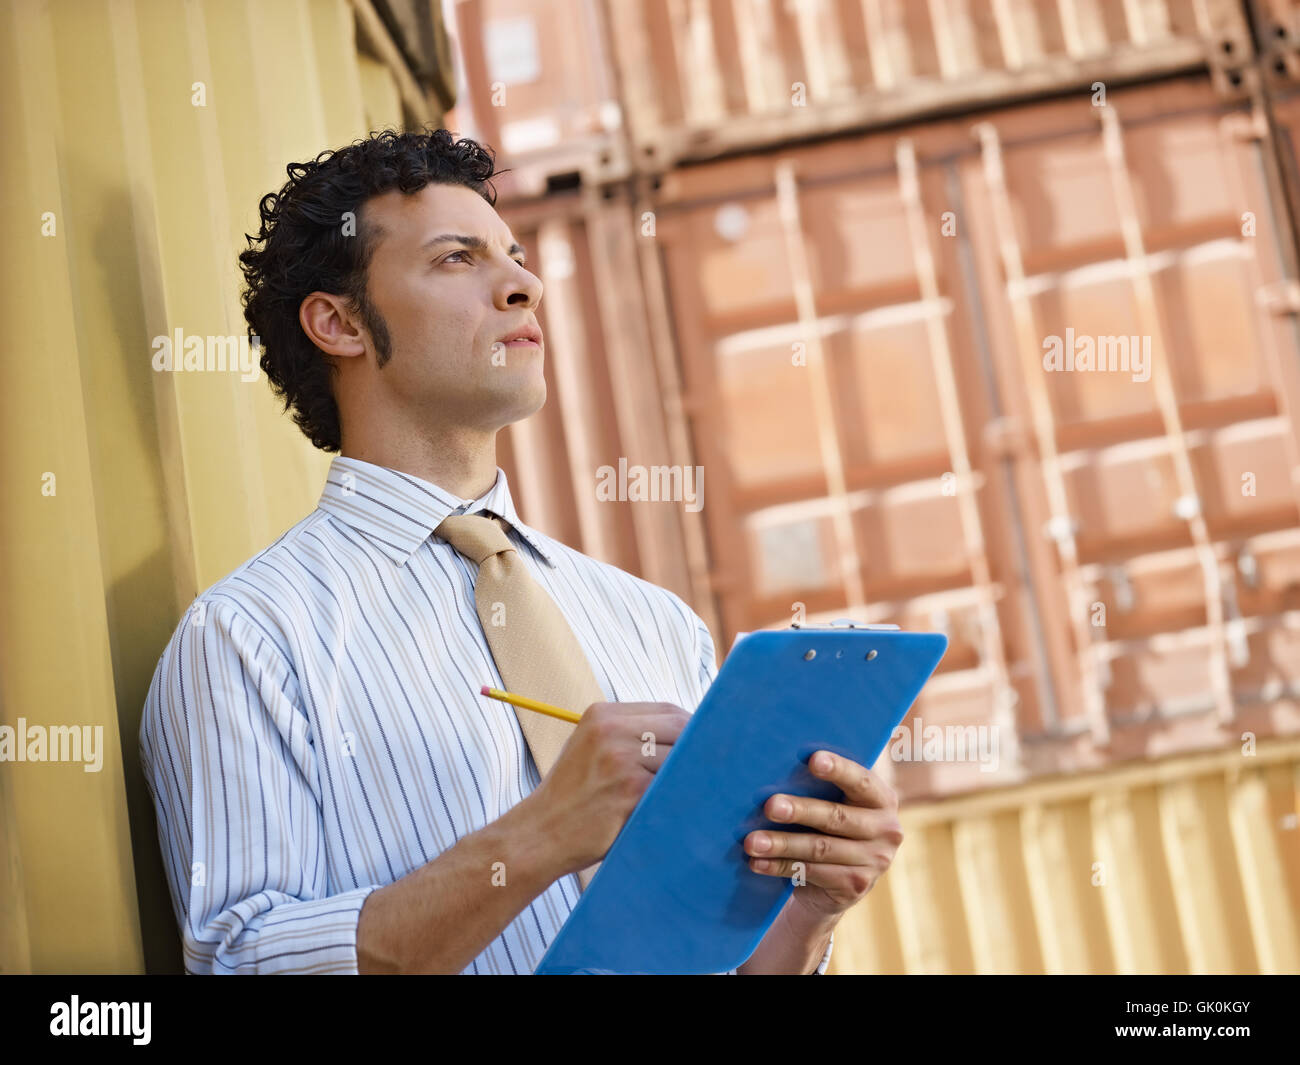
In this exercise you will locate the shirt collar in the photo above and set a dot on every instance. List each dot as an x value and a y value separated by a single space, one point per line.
398 511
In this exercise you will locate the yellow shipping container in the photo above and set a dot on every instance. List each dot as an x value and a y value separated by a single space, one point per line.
140 136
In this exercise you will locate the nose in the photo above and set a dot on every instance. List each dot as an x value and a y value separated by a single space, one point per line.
519 287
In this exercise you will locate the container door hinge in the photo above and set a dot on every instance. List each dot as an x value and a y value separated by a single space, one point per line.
1230 57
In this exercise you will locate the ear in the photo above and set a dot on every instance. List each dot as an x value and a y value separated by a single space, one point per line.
329 325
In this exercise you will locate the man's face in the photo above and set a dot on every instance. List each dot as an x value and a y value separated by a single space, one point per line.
447 306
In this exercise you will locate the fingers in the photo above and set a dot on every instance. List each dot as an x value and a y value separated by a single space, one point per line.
875 835
842 833
663 721
653 753
807 847
832 818
647 729
835 818
860 785
846 881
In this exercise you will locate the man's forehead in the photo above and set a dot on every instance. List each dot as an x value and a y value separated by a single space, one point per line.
411 220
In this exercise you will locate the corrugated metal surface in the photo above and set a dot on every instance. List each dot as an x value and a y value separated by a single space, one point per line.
858 332
540 87
1191 865
1115 560
702 77
848 338
862 384
162 482
592 90
612 393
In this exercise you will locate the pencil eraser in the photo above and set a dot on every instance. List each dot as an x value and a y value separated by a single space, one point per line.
483 690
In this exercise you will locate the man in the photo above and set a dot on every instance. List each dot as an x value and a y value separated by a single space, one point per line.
333 793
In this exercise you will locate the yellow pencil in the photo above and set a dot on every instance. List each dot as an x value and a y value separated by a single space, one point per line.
531 704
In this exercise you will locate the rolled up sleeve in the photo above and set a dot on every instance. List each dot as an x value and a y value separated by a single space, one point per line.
231 768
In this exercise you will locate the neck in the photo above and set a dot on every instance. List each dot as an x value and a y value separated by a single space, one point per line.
462 461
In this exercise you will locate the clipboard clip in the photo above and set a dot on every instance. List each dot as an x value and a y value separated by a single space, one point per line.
848 623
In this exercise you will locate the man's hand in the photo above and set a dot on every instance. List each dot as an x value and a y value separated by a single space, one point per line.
604 768
854 842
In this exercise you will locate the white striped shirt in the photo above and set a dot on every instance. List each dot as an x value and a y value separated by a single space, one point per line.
314 729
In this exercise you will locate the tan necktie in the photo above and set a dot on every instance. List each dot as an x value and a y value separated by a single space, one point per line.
534 648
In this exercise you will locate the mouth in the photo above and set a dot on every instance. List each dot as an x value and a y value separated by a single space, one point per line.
528 336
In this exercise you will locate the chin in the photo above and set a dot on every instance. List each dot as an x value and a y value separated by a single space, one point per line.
527 401
539 397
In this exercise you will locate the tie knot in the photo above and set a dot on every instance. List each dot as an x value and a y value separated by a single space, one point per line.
474 536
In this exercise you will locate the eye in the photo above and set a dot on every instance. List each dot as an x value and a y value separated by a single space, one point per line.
448 258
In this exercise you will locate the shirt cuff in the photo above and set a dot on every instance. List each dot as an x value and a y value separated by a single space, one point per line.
826 958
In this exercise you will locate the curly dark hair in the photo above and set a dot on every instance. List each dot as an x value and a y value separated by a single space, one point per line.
305 245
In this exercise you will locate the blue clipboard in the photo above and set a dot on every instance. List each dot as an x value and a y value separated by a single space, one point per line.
674 893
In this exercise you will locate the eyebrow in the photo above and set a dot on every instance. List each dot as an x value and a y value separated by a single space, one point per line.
474 243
